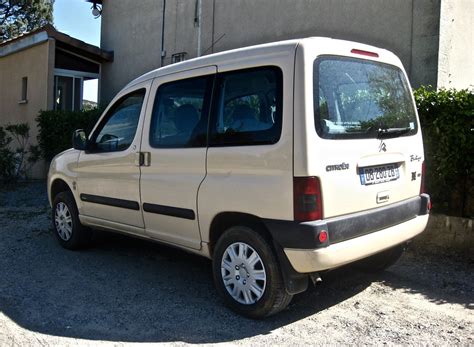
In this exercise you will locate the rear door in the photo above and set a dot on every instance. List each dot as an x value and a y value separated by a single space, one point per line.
174 147
368 150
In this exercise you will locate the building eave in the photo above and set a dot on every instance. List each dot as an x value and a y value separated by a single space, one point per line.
46 32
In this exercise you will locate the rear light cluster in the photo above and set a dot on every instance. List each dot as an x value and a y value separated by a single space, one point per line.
307 201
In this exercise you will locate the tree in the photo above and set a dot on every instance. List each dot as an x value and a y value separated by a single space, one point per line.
19 16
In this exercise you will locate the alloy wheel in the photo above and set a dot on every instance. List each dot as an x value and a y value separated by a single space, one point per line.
63 221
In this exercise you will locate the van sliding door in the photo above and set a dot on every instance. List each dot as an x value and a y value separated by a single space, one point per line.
174 147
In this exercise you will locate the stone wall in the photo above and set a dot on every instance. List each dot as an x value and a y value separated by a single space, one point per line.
447 235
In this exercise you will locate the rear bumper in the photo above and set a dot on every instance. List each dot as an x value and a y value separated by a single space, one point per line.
304 260
350 237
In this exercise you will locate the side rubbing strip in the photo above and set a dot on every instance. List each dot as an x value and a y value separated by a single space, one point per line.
103 200
169 211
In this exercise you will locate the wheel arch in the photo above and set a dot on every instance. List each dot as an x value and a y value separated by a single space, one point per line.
224 220
57 186
294 282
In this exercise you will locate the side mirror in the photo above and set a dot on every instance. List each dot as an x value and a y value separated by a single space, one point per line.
79 140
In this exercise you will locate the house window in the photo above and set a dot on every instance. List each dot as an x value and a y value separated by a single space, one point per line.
68 93
24 90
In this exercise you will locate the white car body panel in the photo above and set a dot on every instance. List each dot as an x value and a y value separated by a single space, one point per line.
256 180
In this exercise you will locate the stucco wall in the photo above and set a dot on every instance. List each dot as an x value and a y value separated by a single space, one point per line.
132 29
456 46
32 63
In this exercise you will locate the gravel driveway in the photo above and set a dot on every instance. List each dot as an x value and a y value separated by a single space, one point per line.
124 290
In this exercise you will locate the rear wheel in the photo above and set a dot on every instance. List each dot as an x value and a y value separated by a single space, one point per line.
69 231
247 274
381 261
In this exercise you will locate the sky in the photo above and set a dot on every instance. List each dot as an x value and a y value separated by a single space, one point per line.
74 18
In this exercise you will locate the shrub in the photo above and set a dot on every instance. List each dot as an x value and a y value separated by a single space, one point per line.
56 128
17 156
447 120
7 156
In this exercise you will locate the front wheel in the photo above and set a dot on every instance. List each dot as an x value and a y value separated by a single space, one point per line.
69 231
247 274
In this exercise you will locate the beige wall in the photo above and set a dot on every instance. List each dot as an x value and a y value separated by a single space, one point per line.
456 46
132 29
32 63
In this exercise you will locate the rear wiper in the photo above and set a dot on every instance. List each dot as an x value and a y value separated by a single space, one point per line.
392 132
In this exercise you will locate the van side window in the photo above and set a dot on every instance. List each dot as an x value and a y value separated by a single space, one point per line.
248 108
119 125
181 113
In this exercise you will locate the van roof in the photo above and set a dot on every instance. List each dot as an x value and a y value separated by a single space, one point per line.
247 52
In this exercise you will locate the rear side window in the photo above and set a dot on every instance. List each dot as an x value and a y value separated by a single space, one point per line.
180 114
118 128
248 108
355 98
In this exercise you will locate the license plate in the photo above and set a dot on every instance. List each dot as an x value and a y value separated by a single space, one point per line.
378 174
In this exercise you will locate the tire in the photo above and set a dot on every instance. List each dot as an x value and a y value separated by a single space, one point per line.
69 231
258 289
381 261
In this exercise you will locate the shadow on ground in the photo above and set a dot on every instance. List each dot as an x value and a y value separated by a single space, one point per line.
440 279
130 290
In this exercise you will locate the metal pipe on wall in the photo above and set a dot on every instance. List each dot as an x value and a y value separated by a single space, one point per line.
199 16
163 51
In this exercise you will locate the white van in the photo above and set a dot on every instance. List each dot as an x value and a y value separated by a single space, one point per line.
278 162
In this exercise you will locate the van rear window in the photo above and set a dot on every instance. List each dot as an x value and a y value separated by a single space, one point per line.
356 98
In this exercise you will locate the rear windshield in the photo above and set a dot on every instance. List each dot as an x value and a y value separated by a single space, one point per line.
355 98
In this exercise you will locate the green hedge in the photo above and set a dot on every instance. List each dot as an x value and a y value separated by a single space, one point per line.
56 128
447 121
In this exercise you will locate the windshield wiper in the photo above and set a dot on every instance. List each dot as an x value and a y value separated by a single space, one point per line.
392 132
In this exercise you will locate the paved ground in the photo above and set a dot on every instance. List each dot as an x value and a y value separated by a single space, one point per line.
123 290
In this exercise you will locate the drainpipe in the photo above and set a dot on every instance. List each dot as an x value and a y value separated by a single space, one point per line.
199 14
213 24
163 52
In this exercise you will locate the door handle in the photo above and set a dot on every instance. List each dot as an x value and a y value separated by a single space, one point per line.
146 158
138 159
143 158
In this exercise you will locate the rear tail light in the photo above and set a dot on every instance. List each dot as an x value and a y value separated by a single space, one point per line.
307 202
367 53
423 173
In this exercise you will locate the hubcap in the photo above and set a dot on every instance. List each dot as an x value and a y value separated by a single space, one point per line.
63 221
243 273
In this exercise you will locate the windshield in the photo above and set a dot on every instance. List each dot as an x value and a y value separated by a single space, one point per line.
355 98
